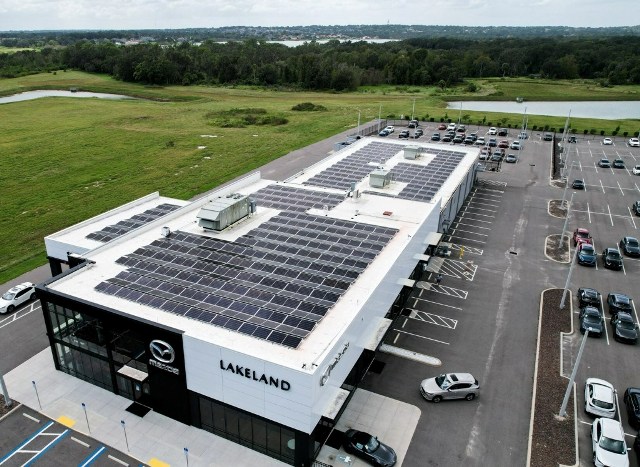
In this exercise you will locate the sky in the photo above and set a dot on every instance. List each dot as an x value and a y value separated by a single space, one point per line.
175 14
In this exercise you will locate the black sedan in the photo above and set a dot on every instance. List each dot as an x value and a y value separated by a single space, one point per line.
588 296
624 328
590 317
368 447
632 402
619 302
578 184
630 246
612 258
587 255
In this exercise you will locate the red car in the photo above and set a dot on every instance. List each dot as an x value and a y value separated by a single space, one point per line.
503 144
581 236
442 126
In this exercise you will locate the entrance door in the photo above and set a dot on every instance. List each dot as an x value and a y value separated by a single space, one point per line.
134 385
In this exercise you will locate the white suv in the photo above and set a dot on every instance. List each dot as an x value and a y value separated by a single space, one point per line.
607 441
16 296
390 128
634 142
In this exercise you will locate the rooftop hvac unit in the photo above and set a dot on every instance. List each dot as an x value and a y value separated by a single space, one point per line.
380 178
221 212
411 152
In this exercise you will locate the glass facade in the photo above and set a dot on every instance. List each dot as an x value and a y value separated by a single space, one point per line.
244 428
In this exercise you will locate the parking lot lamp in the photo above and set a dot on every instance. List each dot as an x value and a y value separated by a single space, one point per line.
379 117
358 122
413 109
566 285
565 401
566 219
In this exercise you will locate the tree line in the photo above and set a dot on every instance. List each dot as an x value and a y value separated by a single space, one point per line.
341 65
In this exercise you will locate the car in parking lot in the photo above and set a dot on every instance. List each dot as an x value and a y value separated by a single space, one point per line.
503 144
384 132
458 139
442 126
636 208
630 246
450 386
503 132
608 444
573 139
599 398
582 235
523 135
16 296
492 131
587 255
634 142
607 141
511 158
636 170
461 129
469 140
404 134
632 403
625 328
612 258
367 447
578 184
619 302
480 141
618 164
548 137
390 128
435 137
447 138
589 296
591 318
492 142
451 126
515 145
604 163
418 133
412 124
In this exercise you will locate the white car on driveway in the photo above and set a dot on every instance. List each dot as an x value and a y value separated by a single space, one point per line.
450 386
607 141
599 398
16 296
390 128
634 142
607 442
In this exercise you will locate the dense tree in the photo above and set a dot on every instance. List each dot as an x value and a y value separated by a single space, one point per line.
338 65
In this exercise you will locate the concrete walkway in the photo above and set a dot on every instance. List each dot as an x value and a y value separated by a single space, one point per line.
157 440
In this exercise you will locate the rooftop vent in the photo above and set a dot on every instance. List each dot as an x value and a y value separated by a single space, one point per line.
221 212
412 152
380 178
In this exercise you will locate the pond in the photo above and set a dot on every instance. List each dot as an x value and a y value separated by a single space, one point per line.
29 95
604 110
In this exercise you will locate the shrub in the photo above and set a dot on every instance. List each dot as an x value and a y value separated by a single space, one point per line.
309 107
534 128
592 131
626 133
614 133
585 131
601 132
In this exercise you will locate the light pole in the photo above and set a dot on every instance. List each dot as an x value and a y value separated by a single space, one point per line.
413 109
358 122
566 220
379 117
565 401
566 285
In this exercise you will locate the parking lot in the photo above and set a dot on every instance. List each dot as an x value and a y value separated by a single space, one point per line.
604 208
482 316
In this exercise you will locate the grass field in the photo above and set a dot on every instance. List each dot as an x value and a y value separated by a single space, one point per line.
63 160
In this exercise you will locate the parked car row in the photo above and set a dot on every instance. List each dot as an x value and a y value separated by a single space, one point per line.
621 308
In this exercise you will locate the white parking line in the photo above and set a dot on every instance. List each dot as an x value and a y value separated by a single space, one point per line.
466 213
633 221
588 212
437 320
602 186
481 209
474 203
469 232
416 299
471 225
606 333
621 190
421 337
476 220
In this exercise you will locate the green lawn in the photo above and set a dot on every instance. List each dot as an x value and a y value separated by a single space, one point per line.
63 160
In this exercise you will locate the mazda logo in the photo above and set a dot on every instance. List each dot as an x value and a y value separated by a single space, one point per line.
162 351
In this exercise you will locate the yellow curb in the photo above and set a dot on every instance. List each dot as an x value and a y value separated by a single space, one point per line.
66 421
157 463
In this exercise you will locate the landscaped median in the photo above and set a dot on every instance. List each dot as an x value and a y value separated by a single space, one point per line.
552 439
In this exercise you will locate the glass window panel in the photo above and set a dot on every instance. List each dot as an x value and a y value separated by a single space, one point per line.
206 414
273 439
219 423
245 429
233 430
287 438
259 435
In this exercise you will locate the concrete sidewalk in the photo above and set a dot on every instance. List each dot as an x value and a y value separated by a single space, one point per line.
157 440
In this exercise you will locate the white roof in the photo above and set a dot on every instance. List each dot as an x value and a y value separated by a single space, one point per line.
406 216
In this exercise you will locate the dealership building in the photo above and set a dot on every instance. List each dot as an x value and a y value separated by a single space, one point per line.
253 312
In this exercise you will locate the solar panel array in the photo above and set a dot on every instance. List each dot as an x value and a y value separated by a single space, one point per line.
284 197
274 283
424 181
355 166
114 231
